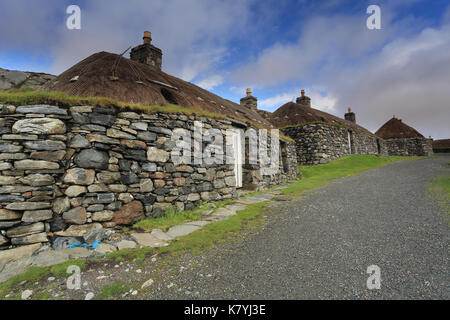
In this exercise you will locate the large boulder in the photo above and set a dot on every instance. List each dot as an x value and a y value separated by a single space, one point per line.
130 213
39 126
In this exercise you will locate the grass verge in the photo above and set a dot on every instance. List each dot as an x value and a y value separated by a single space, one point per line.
320 175
439 190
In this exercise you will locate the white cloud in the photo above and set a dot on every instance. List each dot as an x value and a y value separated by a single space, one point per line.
322 102
211 82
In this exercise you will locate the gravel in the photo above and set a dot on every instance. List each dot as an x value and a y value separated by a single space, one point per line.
321 246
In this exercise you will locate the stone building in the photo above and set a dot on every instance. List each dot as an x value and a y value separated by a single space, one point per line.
69 170
403 140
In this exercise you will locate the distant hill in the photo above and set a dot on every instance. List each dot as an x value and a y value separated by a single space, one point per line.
17 79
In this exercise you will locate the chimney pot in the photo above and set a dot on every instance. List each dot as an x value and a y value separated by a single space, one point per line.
147 37
349 110
249 92
303 92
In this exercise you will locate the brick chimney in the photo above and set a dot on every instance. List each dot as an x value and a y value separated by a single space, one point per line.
249 101
350 116
147 53
304 100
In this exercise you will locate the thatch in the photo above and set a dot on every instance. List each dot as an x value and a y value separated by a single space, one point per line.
292 114
138 83
441 144
396 129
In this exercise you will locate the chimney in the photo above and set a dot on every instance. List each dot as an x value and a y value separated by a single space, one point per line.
304 100
249 101
147 53
350 116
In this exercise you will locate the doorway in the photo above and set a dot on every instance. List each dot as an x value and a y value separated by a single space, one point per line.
237 149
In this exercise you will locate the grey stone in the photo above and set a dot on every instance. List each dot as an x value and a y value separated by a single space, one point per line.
39 126
7 256
157 155
5 180
10 198
75 191
57 224
12 156
10 148
146 185
105 198
159 234
102 216
9 224
76 215
30 239
78 142
114 133
64 242
94 235
108 177
21 231
181 230
161 130
92 159
126 244
129 178
93 127
5 166
79 176
148 240
78 230
19 137
38 180
41 109
35 165
95 207
28 206
149 167
102 119
36 216
9 215
61 205
3 241
142 126
147 136
104 248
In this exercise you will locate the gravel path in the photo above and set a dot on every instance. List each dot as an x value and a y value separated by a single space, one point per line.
320 247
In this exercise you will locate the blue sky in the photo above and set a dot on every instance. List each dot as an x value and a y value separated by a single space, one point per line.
274 47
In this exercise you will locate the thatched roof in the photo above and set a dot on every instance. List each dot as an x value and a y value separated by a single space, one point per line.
139 83
395 129
441 144
291 114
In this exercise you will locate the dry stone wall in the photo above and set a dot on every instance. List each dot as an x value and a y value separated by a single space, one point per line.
72 171
407 147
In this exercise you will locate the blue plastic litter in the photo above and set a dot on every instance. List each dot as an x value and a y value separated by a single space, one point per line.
92 246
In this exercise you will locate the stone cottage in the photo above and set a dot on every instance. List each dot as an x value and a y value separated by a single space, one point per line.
403 140
72 170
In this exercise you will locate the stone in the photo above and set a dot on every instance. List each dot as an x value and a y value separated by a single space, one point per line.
45 145
161 130
142 126
114 133
102 216
79 176
10 148
41 109
57 224
78 230
181 230
129 213
78 142
159 184
206 196
193 197
147 283
94 188
7 256
39 126
92 159
25 230
9 224
4 180
30 239
48 155
61 205
5 166
26 294
147 136
89 296
145 199
102 119
35 165
101 139
11 198
125 197
148 240
108 177
149 167
38 180
138 155
159 234
105 198
81 109
36 216
93 127
94 235
19 137
95 208
230 181
146 185
126 244
157 155
117 188
104 248
12 156
129 178
184 168
28 206
134 144
75 215
129 115
75 191
179 181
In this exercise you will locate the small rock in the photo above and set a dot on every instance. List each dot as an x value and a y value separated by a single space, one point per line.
89 296
147 283
51 279
26 294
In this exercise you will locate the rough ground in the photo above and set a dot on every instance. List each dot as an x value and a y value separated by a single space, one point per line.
318 247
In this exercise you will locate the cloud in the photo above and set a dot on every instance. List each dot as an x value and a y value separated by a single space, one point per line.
211 82
319 101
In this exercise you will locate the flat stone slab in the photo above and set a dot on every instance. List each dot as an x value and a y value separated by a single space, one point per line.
126 244
148 240
199 223
235 207
224 212
182 230
104 248
161 235
250 200
282 198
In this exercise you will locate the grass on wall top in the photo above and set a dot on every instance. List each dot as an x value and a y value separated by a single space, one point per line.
330 124
28 96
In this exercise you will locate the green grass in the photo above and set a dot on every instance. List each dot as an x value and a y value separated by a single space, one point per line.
439 190
172 218
34 274
112 290
320 175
